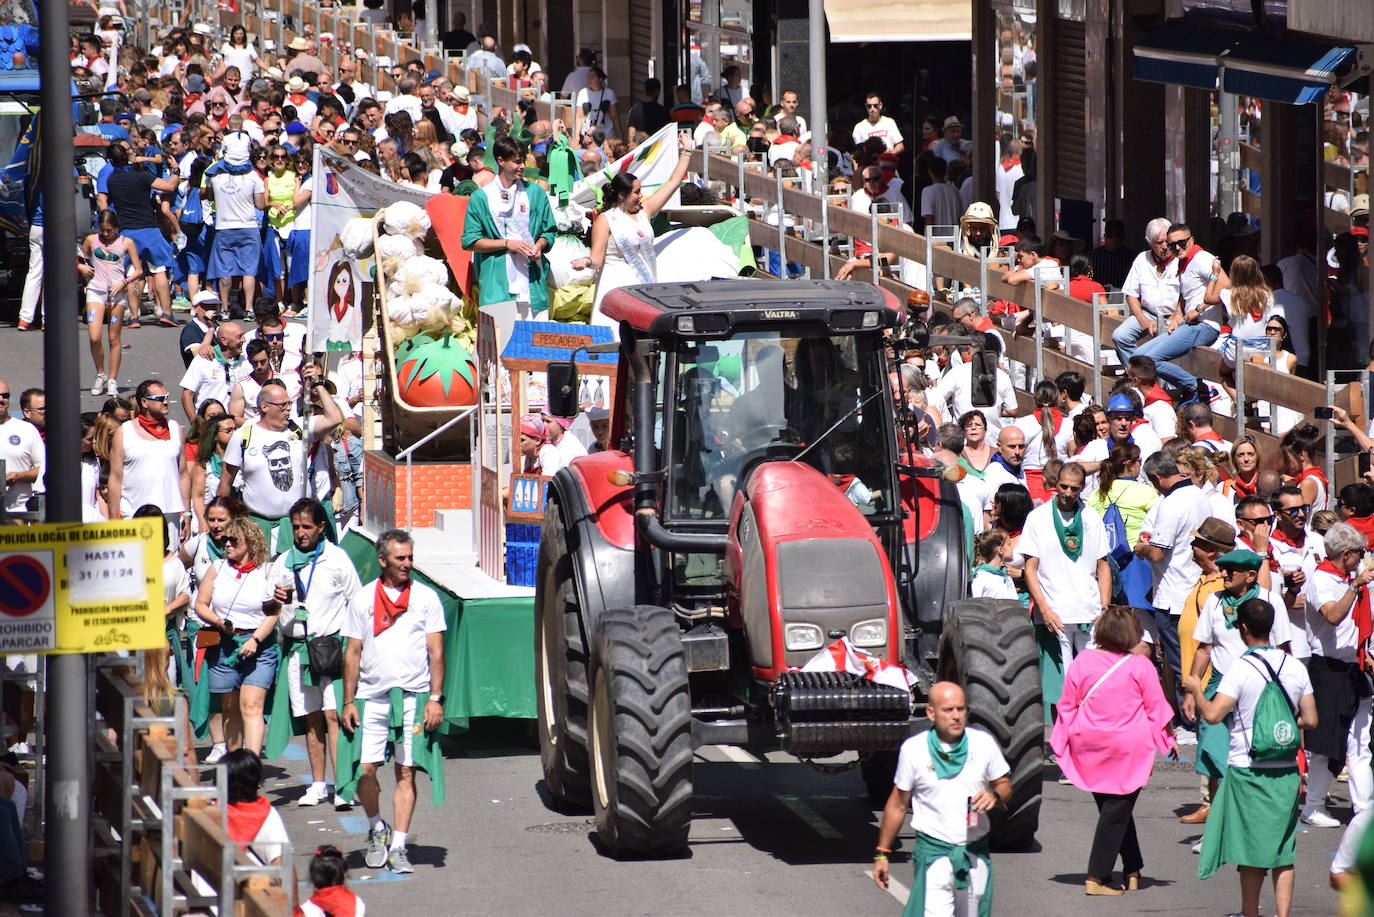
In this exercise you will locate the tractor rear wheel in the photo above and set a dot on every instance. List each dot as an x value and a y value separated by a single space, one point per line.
640 728
989 648
560 662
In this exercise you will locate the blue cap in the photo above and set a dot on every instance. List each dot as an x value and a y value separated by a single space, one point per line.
295 127
124 116
1121 403
431 76
169 130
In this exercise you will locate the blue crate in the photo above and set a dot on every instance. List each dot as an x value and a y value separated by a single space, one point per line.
521 562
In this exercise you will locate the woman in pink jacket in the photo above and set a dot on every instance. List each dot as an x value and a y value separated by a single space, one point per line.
1113 719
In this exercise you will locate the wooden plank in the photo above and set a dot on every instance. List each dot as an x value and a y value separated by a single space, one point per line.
1250 157
108 792
202 838
266 902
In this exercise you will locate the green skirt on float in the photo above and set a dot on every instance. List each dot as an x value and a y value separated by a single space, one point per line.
1213 739
1254 820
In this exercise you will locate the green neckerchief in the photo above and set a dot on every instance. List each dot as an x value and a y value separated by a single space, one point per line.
947 763
927 850
1071 535
296 559
1229 604
212 550
219 355
563 169
216 467
425 750
465 188
1256 649
989 568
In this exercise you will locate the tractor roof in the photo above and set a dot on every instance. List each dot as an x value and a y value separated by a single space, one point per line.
712 308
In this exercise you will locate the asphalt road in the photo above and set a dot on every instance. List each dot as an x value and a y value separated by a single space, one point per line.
769 837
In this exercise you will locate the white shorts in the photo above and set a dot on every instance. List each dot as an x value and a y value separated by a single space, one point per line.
307 698
376 716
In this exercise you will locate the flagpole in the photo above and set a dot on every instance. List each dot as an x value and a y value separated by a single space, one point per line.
67 883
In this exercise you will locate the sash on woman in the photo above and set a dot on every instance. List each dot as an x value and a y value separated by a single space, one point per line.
629 236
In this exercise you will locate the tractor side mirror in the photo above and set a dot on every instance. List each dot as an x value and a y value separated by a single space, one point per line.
984 394
562 384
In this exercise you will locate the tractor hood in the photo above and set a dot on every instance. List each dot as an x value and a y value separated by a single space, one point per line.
804 568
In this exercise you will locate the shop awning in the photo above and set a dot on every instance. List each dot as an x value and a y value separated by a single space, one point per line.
899 20
1281 70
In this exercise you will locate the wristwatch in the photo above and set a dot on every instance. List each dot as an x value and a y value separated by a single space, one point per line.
437 698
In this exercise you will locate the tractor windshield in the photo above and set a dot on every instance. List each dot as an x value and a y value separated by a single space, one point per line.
773 394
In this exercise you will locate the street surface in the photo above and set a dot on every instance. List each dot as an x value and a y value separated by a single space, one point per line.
772 837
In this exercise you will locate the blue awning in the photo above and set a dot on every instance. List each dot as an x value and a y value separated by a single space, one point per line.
1281 70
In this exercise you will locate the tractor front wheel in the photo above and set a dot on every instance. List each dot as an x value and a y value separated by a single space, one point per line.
989 648
640 731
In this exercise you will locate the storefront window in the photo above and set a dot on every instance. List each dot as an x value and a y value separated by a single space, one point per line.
716 37
1016 73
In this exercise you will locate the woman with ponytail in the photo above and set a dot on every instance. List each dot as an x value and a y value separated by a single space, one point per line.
1041 426
1118 482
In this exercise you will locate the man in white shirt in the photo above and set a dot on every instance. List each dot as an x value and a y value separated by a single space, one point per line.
323 582
274 456
1253 823
1158 407
237 249
1124 425
952 145
214 377
1151 290
348 72
1337 597
788 108
873 189
1005 467
1168 545
405 100
954 392
1008 172
1196 419
876 124
1295 552
948 778
395 659
23 452
1067 574
577 80
940 204
1198 324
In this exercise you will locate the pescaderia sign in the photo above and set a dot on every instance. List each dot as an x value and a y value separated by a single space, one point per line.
82 587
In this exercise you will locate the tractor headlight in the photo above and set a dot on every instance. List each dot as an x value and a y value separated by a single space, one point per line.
869 633
686 324
870 320
802 637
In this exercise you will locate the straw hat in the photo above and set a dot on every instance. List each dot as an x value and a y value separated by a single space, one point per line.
1216 533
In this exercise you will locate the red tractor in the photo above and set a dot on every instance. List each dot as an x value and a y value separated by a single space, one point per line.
754 512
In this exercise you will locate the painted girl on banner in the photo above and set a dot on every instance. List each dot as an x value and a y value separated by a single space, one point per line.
342 301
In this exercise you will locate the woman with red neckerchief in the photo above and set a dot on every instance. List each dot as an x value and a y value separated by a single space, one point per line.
147 463
1301 449
238 608
1244 478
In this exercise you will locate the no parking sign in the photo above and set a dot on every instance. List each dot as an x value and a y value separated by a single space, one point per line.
77 588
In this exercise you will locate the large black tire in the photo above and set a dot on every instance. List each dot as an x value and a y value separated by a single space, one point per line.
989 648
560 669
640 726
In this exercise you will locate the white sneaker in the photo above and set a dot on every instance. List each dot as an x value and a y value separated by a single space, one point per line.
313 796
1317 818
340 803
112 387
98 386
1197 848
217 751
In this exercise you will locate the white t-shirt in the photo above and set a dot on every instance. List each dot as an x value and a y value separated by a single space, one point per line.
1344 860
175 580
327 589
1163 420
1070 586
238 598
399 656
1227 645
1173 520
954 392
1099 450
885 130
22 448
272 468
595 107
235 206
1192 286
994 476
1157 292
1334 641
211 379
1036 454
939 808
1244 681
941 201
272 838
245 58
986 585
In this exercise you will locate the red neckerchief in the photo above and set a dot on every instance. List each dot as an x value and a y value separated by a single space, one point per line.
984 324
1277 533
1055 415
1139 423
1156 394
1011 162
1360 613
252 117
461 109
1365 526
1310 473
1160 265
1188 256
245 819
154 429
384 611
335 900
1246 489
241 570
1212 437
785 138
297 99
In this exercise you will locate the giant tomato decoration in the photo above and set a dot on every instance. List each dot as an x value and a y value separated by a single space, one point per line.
439 374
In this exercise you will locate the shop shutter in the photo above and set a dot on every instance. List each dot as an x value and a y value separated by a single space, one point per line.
1071 110
641 50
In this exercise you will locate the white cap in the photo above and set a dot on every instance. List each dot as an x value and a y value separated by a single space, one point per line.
204 297
594 414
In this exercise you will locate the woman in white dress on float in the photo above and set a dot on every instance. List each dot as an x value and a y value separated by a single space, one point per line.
622 239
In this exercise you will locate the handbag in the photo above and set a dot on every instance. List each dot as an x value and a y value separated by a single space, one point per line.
326 655
207 637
